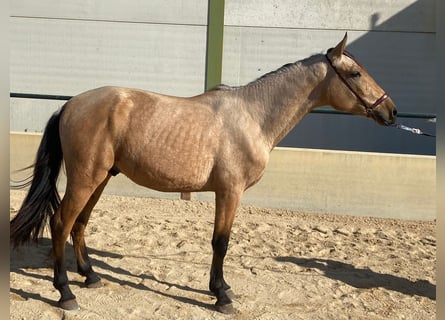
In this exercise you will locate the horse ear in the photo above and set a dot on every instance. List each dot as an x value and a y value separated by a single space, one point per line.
337 52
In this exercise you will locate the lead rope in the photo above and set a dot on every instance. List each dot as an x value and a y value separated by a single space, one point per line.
413 130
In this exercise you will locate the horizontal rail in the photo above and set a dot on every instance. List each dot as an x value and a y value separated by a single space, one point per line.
412 115
39 96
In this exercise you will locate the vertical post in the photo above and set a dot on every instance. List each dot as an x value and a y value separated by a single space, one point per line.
186 196
215 34
440 170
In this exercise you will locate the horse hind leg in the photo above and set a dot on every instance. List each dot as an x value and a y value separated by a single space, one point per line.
84 266
76 198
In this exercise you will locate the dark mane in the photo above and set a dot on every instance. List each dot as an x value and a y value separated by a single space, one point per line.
221 87
280 70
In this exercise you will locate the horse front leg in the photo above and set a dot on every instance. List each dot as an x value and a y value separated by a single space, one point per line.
226 205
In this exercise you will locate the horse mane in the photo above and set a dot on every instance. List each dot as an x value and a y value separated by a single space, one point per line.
222 87
272 74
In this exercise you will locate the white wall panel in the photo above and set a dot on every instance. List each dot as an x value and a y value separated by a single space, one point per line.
52 56
153 11
251 52
418 16
31 115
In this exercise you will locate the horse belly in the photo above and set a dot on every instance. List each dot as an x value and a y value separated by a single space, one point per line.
183 165
172 174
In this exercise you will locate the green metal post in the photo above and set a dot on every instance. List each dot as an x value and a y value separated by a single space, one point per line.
215 34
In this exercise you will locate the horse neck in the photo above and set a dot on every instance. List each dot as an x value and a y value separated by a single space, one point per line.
279 100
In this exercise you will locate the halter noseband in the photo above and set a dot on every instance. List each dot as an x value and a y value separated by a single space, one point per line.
368 108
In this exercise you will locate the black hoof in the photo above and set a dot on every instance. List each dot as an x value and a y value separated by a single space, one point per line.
69 304
230 294
95 284
225 308
92 280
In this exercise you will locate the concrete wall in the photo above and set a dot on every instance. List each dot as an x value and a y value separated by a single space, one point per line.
353 183
71 46
67 47
395 41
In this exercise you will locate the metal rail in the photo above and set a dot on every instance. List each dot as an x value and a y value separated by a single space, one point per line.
411 115
39 96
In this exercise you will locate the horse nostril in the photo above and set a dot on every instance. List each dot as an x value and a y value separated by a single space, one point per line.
394 112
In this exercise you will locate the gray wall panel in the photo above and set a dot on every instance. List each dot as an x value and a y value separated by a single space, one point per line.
67 57
153 11
250 52
395 41
402 63
31 115
419 16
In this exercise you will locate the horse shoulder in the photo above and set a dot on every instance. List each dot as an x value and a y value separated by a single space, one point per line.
243 151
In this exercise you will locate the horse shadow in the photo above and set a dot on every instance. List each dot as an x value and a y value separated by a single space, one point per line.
24 259
364 278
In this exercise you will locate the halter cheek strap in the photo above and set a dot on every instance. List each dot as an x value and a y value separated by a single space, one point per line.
379 100
368 107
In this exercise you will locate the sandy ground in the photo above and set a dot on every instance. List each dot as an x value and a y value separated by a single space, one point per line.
154 257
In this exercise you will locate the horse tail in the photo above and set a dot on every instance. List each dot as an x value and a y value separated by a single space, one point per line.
42 199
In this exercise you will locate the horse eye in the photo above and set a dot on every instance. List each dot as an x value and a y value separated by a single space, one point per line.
355 74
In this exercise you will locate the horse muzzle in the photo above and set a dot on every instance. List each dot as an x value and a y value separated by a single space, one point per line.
385 113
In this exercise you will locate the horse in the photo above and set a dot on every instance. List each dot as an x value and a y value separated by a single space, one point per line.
217 141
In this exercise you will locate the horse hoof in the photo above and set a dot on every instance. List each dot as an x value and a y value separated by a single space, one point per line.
69 304
226 308
231 295
96 284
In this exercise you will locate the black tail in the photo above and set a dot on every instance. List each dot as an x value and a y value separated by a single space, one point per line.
42 198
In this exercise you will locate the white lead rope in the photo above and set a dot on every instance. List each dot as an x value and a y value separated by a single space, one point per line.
413 130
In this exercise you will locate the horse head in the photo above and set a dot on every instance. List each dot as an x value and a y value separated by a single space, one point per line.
351 89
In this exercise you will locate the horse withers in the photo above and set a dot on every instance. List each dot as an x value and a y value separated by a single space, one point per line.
218 141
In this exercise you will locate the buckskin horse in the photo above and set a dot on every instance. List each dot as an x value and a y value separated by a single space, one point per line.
217 141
